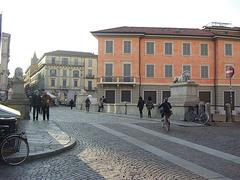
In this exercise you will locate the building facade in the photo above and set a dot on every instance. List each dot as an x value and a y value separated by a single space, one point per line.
4 60
143 61
65 74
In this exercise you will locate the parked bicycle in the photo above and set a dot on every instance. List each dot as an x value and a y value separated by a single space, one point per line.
14 147
199 117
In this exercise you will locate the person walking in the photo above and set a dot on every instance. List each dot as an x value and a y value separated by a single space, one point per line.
150 106
36 103
87 104
46 101
140 105
100 105
71 103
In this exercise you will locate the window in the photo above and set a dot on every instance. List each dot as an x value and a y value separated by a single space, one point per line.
108 72
75 83
109 46
64 73
204 49
53 72
90 85
65 61
205 96
75 73
228 100
126 47
110 96
64 83
126 72
76 62
151 94
89 72
150 70
168 49
186 49
187 68
150 48
90 63
228 49
52 82
53 60
166 94
204 72
126 96
168 71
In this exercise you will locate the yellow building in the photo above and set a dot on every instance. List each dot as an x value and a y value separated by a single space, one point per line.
65 74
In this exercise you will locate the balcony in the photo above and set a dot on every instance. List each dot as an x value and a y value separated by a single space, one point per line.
118 80
90 76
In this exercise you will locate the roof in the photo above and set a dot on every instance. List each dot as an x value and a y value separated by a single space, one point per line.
155 31
70 53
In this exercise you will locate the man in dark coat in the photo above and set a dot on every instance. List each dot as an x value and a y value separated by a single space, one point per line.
36 104
140 106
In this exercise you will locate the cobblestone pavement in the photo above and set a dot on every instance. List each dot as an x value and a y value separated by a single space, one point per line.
133 154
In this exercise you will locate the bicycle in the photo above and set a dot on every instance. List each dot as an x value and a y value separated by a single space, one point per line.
202 117
166 122
14 147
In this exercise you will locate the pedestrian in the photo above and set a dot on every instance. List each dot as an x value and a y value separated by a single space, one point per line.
100 105
46 101
87 104
165 109
71 103
150 106
36 104
140 105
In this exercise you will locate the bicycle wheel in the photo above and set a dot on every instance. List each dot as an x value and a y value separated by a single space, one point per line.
204 118
167 125
14 150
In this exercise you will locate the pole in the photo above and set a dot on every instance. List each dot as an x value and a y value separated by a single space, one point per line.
231 100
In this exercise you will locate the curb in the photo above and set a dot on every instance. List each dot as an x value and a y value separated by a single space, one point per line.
154 119
43 154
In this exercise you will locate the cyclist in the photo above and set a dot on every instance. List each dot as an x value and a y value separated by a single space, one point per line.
166 109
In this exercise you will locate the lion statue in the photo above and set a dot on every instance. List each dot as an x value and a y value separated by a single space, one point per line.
18 75
185 77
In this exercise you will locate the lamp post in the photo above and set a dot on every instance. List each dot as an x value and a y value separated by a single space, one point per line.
229 74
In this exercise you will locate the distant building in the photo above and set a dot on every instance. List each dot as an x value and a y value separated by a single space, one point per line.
4 60
63 73
143 61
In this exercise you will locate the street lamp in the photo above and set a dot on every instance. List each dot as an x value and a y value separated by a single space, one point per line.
229 74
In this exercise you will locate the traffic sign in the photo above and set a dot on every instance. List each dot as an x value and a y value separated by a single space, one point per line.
229 71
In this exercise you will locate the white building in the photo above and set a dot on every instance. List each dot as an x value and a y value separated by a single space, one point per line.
4 59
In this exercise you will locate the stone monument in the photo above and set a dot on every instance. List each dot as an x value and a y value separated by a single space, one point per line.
183 95
18 100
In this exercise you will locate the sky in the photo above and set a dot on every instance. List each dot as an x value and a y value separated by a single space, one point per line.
47 25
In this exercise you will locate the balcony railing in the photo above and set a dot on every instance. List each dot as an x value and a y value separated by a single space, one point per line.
89 76
117 80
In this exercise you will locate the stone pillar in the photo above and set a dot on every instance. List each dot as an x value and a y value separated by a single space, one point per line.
183 96
228 112
19 101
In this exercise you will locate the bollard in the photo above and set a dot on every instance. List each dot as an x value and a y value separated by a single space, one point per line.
125 107
228 112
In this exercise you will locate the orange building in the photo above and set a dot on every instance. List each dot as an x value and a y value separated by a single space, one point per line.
143 61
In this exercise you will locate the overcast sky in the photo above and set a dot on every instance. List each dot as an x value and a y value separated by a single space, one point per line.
46 25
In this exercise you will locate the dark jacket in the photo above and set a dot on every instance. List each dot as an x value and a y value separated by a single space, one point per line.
88 102
166 106
140 104
36 100
149 105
